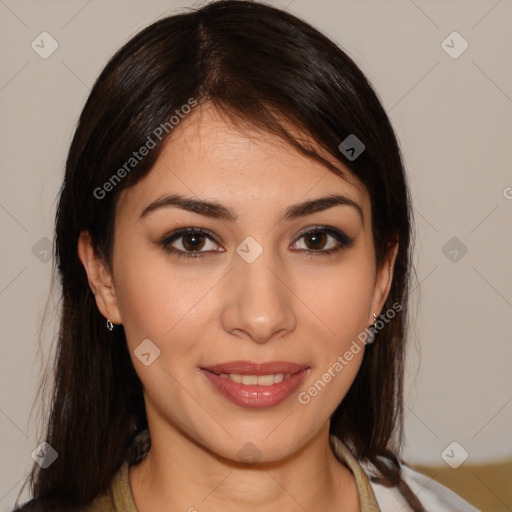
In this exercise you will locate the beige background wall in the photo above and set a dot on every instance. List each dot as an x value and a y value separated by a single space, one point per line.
453 118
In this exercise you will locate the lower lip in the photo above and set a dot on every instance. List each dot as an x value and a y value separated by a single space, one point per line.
254 396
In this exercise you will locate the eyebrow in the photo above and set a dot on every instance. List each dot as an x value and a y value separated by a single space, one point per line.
216 210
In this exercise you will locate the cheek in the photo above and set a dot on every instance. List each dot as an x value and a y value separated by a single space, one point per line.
157 299
340 310
340 298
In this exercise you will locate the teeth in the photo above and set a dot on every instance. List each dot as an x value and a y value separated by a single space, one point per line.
251 380
263 380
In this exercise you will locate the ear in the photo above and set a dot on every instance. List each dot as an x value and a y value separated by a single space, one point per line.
100 279
383 280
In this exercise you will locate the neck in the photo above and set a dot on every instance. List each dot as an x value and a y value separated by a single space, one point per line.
180 474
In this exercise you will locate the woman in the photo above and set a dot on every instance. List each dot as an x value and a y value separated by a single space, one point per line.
233 239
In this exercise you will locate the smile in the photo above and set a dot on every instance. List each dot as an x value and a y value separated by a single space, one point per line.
256 385
260 380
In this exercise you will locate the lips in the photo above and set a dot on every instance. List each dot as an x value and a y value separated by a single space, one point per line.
251 368
242 382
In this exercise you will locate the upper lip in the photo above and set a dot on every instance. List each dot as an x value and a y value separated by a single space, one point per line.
252 368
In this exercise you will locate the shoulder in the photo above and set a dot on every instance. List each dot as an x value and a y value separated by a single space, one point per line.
31 506
117 497
102 503
37 505
434 496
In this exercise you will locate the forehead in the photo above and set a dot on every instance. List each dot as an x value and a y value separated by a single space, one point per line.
207 155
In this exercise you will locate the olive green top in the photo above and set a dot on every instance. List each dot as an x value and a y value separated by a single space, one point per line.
119 496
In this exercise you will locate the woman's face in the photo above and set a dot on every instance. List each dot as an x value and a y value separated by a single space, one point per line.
246 284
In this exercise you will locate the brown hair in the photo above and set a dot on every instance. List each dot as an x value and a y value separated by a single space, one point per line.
257 64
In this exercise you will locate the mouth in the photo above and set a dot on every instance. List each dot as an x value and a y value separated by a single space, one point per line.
259 380
252 368
256 385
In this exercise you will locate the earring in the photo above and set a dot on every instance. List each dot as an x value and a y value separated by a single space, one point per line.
110 325
372 330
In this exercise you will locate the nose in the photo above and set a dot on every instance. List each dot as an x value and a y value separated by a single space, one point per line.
259 303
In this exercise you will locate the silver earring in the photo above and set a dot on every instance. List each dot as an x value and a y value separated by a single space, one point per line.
372 330
110 325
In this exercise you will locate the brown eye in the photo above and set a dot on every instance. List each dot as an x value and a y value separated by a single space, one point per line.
193 241
323 240
190 242
315 240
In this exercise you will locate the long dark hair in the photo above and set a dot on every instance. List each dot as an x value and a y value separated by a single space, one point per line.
255 64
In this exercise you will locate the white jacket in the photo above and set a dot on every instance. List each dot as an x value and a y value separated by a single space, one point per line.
432 495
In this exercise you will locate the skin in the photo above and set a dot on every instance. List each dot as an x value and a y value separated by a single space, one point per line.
287 305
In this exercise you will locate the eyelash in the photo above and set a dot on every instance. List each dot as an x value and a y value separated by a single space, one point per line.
343 240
